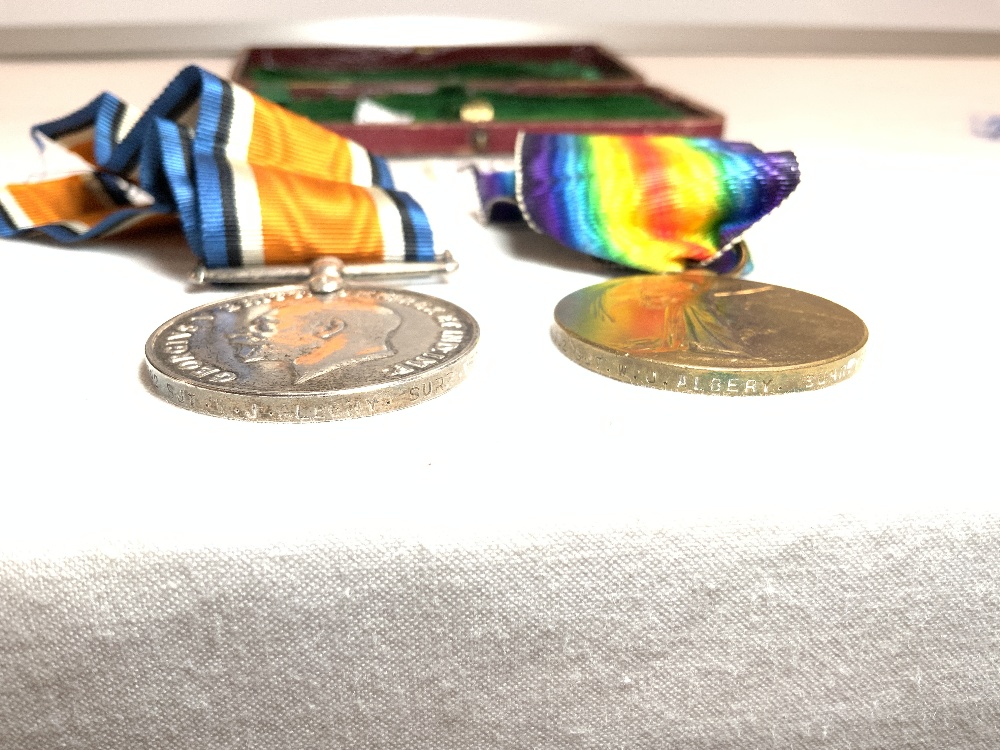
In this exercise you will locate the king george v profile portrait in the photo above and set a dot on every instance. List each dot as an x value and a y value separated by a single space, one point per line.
313 336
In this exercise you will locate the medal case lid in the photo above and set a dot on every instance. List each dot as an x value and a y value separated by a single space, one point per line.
532 88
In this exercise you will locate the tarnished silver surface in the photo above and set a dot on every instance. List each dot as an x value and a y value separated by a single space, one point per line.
288 355
290 274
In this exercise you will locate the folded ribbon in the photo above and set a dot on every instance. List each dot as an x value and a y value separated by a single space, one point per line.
655 203
250 182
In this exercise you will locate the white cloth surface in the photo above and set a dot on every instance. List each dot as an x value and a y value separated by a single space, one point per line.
846 637
814 570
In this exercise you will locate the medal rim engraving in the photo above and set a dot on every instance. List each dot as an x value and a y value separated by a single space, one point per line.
661 373
300 405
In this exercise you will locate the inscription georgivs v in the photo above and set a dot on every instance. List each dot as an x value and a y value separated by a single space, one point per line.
700 333
291 355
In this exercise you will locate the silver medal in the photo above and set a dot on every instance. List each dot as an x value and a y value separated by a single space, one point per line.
311 353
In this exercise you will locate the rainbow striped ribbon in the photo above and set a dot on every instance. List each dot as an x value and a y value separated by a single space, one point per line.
250 182
655 203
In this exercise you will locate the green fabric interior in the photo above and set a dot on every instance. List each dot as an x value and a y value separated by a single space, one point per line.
445 103
278 80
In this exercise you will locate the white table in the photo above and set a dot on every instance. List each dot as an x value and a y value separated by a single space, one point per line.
894 219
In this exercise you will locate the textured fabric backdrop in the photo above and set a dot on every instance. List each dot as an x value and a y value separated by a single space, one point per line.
843 636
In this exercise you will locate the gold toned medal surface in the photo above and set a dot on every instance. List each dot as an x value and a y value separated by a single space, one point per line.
701 333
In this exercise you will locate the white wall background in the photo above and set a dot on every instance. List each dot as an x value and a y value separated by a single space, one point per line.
967 15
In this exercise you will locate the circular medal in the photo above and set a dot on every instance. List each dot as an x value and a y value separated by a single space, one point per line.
289 355
701 333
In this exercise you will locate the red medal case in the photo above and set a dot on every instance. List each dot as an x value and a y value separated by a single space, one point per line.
318 80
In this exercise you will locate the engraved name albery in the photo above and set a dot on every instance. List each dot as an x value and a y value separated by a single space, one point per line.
704 382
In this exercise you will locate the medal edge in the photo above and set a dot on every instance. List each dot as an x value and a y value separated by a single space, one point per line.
331 405
796 379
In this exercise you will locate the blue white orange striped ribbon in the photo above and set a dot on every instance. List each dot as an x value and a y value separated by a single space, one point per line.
250 182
